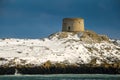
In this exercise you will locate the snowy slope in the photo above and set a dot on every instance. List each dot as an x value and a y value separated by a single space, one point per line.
68 50
116 42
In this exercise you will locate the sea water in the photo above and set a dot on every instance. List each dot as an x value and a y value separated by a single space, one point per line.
61 77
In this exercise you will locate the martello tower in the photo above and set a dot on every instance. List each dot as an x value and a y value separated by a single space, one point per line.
73 25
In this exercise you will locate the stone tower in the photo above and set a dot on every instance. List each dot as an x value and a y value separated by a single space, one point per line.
73 24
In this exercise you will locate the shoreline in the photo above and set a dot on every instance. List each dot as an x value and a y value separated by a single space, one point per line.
70 69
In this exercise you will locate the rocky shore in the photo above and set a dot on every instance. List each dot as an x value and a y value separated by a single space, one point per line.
58 68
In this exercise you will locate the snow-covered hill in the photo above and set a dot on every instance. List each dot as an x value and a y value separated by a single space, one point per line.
61 47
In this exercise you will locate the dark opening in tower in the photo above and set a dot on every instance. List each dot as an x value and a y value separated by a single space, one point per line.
68 28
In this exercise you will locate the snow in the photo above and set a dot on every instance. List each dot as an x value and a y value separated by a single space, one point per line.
70 49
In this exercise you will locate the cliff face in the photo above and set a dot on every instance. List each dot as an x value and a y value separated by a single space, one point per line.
85 52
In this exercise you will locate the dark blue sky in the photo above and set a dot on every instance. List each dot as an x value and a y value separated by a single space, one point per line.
40 18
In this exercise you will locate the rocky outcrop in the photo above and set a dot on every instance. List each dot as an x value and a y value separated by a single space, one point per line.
61 68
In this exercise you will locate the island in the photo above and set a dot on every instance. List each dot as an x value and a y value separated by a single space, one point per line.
74 50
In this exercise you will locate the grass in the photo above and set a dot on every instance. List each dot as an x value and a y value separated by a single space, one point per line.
90 36
63 35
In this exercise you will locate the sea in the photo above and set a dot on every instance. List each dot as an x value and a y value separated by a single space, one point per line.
61 77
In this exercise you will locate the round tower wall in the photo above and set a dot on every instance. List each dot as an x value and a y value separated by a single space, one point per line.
73 24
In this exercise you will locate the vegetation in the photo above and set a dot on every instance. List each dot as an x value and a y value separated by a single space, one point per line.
90 36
